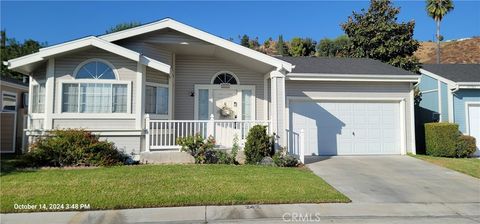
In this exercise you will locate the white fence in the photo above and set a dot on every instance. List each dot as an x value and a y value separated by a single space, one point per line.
163 134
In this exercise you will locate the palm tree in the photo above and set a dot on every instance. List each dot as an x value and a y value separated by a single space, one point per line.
437 9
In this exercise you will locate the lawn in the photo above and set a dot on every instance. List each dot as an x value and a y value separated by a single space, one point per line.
164 185
469 166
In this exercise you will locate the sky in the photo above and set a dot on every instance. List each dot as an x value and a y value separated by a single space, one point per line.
59 21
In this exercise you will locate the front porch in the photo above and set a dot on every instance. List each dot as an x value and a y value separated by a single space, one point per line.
163 134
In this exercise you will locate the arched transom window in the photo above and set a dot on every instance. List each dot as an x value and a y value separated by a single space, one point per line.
95 69
225 78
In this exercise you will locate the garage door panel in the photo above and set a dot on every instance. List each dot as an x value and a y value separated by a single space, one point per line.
347 128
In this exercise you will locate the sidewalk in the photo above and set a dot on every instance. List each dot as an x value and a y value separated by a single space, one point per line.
289 213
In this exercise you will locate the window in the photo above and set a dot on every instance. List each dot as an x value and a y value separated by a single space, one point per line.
156 99
225 78
9 101
94 98
96 94
38 98
95 70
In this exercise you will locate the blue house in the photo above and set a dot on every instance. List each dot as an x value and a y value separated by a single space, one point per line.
451 93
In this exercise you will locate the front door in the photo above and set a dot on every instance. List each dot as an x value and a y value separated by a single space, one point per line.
226 106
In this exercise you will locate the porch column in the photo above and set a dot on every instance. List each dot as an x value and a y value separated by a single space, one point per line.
49 94
277 79
140 97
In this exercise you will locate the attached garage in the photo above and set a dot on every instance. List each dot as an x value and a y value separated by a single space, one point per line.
347 127
349 106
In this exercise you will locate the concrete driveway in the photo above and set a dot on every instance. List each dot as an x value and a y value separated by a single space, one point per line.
395 179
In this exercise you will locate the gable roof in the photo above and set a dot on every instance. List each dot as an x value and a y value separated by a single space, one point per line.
343 66
202 35
454 72
43 54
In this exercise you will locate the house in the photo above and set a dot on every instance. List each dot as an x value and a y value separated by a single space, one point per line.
144 87
14 102
451 93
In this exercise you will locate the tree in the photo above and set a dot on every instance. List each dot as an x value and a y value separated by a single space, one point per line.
11 48
244 40
282 48
122 26
301 47
333 48
437 9
253 43
376 34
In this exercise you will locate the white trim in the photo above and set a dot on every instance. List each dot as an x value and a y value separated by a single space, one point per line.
265 98
60 113
45 53
180 27
12 94
439 96
212 87
140 96
402 131
30 101
49 94
94 116
79 66
467 118
351 77
468 85
450 105
437 77
412 118
429 91
227 72
14 85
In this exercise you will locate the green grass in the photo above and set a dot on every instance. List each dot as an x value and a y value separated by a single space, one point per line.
165 185
469 166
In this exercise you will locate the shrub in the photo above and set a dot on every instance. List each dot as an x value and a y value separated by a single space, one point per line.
282 159
72 147
466 146
203 150
258 144
441 139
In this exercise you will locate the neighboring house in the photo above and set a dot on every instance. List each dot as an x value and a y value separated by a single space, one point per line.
451 93
144 87
13 104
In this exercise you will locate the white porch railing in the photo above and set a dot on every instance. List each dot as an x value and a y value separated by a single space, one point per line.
163 134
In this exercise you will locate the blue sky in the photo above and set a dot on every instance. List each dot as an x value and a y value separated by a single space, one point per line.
59 21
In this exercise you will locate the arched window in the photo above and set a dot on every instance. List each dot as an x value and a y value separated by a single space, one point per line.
225 78
95 69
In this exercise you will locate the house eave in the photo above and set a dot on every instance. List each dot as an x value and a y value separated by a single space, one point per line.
351 77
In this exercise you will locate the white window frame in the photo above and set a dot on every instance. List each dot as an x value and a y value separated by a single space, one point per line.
30 101
212 87
96 81
467 116
16 101
160 116
77 69
228 72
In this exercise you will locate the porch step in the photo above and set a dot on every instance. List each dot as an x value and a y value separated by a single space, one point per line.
166 157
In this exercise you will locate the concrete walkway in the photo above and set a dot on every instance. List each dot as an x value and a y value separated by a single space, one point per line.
293 213
395 179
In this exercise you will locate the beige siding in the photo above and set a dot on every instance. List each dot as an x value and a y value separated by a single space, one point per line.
149 50
20 114
126 144
7 121
191 70
156 76
354 90
96 124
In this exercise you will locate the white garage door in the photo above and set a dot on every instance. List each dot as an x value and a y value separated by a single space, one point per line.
345 128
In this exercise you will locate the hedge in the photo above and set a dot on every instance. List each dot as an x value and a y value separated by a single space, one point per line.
441 139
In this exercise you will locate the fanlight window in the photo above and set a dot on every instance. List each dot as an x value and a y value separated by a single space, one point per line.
95 70
225 78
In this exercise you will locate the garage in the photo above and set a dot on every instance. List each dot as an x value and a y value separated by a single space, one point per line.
346 127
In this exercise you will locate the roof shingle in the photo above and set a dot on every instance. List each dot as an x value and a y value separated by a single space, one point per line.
455 72
351 66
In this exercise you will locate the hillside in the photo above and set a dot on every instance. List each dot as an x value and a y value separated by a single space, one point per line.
453 52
